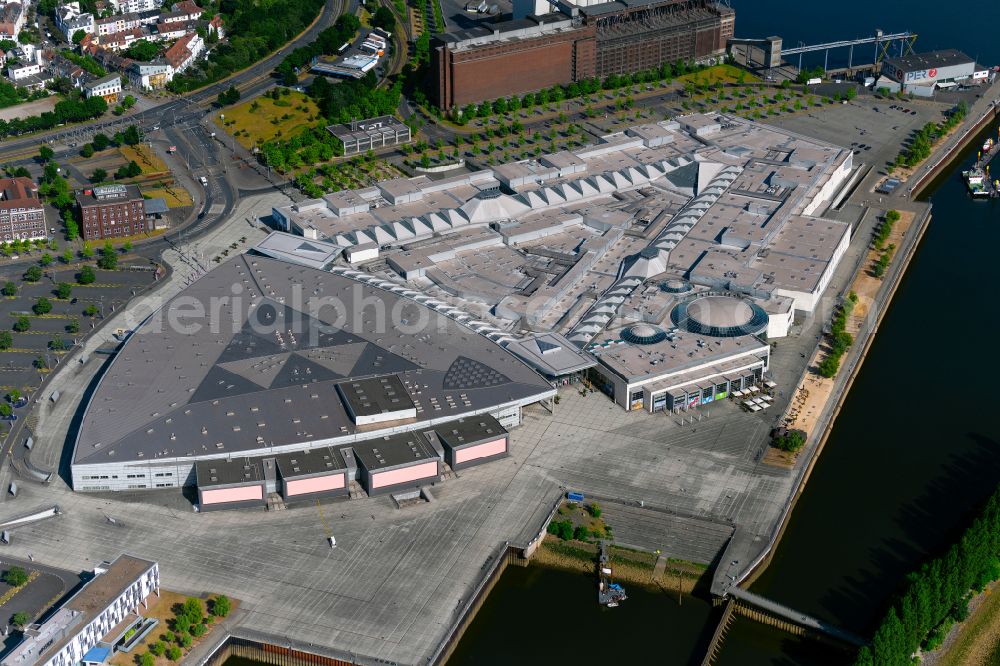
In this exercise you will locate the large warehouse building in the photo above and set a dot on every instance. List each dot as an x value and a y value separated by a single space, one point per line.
655 262
923 73
267 379
544 44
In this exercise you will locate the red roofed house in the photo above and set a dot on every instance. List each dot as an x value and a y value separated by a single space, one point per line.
191 9
215 25
12 18
184 52
21 211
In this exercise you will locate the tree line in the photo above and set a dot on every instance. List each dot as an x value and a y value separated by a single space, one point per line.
255 29
840 339
938 593
66 111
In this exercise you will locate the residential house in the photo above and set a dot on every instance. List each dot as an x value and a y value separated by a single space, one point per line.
22 70
117 23
174 30
60 66
149 17
117 41
109 87
69 19
133 6
12 18
184 52
149 75
22 215
191 9
215 25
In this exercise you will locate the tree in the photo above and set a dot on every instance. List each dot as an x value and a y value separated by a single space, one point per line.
182 624
72 327
6 340
33 274
147 659
67 255
384 18
185 640
127 246
22 324
20 619
42 306
86 275
45 259
99 176
175 653
87 150
230 96
78 36
45 153
109 258
5 409
790 441
40 363
100 142
90 311
193 610
581 533
14 396
158 648
10 289
15 576
221 607
594 509
63 290
142 50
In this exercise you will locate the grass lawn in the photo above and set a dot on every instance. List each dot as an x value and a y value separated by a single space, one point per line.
144 157
263 119
978 640
719 74
175 195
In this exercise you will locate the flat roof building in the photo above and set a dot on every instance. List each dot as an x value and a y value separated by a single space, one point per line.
111 211
363 135
297 359
117 590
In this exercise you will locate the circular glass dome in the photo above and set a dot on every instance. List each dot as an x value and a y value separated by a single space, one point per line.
720 316
643 334
675 286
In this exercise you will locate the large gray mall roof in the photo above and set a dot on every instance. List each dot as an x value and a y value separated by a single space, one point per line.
269 379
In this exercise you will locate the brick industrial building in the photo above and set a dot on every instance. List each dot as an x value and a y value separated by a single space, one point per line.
21 213
537 48
112 211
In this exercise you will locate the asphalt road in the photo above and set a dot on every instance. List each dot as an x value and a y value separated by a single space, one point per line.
182 110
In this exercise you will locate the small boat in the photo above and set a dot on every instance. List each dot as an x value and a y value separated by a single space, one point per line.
988 145
976 181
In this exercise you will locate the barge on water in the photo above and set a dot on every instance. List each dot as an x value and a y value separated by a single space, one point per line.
978 178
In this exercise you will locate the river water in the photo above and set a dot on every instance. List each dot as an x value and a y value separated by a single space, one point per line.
914 451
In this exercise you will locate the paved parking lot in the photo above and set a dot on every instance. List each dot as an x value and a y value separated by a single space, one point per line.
37 595
110 290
